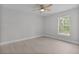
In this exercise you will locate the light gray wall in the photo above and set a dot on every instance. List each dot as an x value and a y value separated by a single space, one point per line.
16 24
51 25
0 20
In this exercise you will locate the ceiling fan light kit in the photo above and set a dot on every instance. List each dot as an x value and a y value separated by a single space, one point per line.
45 7
42 10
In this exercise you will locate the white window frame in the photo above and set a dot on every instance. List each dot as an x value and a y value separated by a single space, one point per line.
59 27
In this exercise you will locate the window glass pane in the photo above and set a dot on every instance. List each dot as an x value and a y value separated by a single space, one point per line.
64 25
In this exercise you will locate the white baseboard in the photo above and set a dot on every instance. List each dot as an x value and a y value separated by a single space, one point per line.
62 39
18 40
27 38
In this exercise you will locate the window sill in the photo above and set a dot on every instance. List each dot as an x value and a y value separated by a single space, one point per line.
63 34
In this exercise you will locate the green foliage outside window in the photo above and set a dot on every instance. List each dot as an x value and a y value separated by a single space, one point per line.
64 25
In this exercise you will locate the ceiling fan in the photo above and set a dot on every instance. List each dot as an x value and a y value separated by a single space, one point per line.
44 7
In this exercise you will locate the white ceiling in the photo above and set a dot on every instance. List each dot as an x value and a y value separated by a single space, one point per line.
32 8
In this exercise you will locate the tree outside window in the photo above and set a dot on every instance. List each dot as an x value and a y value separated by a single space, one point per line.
64 25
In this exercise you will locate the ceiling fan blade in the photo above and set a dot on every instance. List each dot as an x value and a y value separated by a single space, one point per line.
48 10
45 7
41 6
48 5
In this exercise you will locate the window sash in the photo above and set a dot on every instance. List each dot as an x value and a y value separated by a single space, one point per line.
64 25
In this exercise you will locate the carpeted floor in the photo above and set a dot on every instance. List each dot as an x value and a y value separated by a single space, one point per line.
42 45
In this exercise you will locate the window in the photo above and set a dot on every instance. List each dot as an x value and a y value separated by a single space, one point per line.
64 25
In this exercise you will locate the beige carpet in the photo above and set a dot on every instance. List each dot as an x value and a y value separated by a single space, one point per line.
41 45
